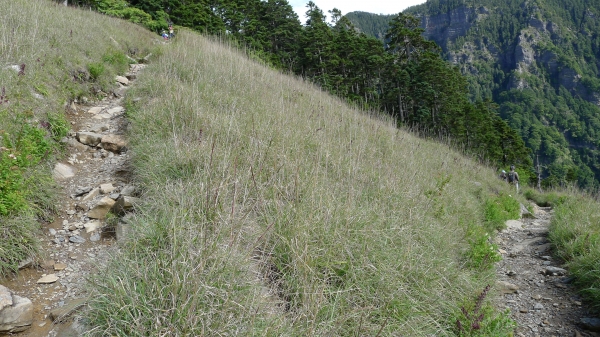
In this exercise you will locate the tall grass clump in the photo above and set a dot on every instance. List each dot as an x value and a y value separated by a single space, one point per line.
575 233
271 208
45 50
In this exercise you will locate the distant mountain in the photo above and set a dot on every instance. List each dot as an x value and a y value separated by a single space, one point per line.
371 24
539 60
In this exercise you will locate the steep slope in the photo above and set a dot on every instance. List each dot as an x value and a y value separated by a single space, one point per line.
273 208
539 61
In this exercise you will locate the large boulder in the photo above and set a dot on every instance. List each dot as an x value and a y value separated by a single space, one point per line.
16 316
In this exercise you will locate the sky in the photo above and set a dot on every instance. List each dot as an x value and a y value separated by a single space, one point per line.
347 6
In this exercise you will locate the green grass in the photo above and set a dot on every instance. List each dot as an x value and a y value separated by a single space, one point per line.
51 45
547 198
575 233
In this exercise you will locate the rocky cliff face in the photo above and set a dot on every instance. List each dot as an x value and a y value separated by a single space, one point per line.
526 56
444 28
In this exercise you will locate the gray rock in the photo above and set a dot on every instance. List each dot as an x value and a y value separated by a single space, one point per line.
95 237
507 288
116 110
5 297
89 138
50 278
92 226
114 196
62 312
72 143
95 110
106 188
123 80
113 143
128 190
93 193
514 224
28 262
63 171
76 239
554 270
17 317
101 209
124 204
74 329
538 306
99 128
591 324
52 231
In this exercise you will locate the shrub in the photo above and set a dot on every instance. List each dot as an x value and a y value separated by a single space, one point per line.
22 151
482 254
117 59
478 318
58 126
96 70
499 209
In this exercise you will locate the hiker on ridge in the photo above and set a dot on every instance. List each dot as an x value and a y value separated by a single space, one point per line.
513 177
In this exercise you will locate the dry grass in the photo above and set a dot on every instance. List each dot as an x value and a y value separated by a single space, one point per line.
358 228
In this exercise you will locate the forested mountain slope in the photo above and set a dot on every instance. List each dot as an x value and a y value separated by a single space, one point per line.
371 24
539 61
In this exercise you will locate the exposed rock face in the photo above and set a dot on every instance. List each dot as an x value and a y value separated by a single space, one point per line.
527 55
16 312
448 26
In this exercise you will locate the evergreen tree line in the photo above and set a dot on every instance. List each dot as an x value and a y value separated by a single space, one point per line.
407 77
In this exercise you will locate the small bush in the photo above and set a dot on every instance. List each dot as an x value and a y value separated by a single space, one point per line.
500 209
117 59
478 318
482 253
18 242
96 70
22 151
58 126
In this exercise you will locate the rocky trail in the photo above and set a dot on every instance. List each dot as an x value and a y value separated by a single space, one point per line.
536 289
45 296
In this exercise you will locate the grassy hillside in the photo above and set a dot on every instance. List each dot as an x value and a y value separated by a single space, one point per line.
50 55
272 208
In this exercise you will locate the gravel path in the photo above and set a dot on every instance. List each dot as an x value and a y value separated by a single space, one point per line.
537 291
77 243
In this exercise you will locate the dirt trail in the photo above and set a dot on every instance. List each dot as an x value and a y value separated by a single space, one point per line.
76 244
545 303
